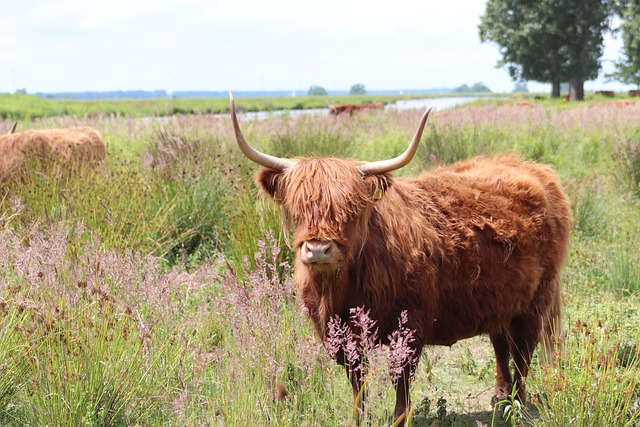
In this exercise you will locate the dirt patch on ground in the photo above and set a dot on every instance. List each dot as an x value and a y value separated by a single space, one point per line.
454 386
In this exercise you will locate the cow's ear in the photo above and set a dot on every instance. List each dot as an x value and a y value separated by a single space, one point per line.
378 184
269 180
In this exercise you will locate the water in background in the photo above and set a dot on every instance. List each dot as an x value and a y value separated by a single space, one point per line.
438 104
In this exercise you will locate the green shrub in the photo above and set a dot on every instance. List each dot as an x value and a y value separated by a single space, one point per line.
590 213
624 269
626 154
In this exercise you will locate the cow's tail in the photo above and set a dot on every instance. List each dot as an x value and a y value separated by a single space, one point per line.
552 325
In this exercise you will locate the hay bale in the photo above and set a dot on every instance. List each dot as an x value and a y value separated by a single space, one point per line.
59 146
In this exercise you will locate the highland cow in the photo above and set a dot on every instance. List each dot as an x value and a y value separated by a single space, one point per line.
468 249
60 146
336 110
606 93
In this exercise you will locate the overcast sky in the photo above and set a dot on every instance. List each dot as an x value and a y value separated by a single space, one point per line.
89 45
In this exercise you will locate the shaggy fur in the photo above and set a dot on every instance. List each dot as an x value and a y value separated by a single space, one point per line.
83 145
469 249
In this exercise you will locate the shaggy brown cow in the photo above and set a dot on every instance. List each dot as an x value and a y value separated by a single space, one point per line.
469 249
350 108
83 145
519 104
606 93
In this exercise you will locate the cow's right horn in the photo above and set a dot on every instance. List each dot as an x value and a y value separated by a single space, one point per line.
260 158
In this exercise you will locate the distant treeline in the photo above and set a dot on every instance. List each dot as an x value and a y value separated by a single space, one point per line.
163 94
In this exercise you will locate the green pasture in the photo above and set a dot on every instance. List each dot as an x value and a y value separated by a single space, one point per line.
29 107
156 289
20 107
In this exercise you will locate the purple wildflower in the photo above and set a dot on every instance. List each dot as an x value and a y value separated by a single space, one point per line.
401 353
359 340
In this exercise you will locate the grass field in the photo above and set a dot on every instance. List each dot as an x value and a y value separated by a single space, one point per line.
29 107
157 290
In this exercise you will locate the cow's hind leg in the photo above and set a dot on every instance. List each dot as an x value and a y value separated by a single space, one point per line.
524 334
504 382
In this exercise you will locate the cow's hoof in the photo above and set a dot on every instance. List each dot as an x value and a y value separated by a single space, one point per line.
499 396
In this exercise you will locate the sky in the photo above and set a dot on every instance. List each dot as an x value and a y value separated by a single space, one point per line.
178 45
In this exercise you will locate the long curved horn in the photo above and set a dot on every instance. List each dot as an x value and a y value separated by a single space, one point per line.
389 165
260 158
13 128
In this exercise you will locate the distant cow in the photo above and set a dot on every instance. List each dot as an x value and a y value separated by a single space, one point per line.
351 108
520 104
62 146
634 93
619 102
607 93
468 249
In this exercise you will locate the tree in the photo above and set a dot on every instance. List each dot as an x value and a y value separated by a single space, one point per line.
549 40
520 87
317 91
480 87
628 67
477 87
357 89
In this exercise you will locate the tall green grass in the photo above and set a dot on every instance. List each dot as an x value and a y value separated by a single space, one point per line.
594 382
97 368
13 363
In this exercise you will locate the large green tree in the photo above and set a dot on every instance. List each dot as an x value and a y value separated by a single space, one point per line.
549 40
317 91
628 67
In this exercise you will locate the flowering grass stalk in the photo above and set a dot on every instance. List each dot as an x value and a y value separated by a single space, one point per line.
365 355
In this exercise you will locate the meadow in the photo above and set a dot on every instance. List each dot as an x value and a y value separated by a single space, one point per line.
157 289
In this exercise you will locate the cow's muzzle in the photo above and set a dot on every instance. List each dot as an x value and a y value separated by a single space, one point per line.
318 251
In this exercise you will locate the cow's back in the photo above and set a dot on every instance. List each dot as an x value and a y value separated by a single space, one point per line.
502 227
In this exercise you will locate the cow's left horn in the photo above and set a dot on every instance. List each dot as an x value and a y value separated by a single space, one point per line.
260 158
403 159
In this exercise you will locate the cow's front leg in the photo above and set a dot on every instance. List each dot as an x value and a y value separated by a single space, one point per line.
356 377
355 372
402 398
403 401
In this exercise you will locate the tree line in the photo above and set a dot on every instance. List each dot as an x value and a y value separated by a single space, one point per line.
556 41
